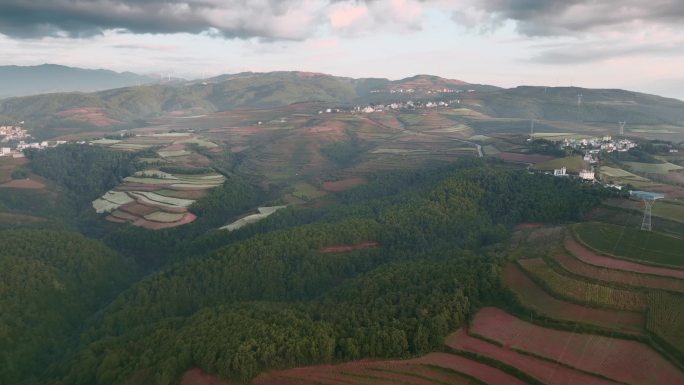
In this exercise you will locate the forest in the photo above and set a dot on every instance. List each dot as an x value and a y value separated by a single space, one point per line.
150 305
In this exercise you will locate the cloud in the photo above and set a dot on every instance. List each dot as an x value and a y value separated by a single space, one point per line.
584 52
267 19
570 17
271 19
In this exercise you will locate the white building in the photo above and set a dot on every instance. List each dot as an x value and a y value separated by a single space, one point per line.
586 174
560 171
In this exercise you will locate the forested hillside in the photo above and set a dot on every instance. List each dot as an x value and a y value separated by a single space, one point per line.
279 294
49 282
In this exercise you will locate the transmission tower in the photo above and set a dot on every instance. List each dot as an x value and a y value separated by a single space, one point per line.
649 199
579 102
622 128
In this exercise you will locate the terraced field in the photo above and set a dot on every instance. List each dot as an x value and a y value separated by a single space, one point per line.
590 257
621 360
533 297
632 244
434 368
155 200
581 291
635 280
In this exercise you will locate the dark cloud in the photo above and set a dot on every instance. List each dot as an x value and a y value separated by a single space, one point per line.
277 19
569 17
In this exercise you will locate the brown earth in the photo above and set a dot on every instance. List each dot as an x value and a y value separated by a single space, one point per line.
523 158
23 184
590 257
536 298
344 184
197 376
341 248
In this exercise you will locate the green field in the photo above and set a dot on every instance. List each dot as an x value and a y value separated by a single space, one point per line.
580 291
666 312
572 163
631 243
653 168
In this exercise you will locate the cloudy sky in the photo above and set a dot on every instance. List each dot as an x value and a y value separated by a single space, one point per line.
629 44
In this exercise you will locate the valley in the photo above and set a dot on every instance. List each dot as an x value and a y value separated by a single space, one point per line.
298 239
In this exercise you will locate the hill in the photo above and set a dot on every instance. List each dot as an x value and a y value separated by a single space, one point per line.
124 106
132 106
50 78
597 105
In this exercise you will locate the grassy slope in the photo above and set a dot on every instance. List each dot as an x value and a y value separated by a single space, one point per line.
630 243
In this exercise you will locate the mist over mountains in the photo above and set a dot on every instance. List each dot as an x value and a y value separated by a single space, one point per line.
51 78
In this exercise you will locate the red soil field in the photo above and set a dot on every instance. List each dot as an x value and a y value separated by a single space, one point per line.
115 219
124 216
618 276
138 209
622 360
523 158
174 147
189 217
186 194
344 184
91 115
198 376
340 248
330 126
547 372
419 371
168 209
534 297
237 149
592 258
464 365
526 226
23 184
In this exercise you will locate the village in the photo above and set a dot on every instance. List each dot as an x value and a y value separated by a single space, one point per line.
591 149
16 139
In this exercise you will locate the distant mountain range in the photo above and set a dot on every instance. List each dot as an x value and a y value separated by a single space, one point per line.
50 78
129 106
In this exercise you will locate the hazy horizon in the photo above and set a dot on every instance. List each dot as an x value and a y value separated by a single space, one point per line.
599 44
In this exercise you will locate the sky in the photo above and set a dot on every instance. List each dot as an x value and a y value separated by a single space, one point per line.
629 44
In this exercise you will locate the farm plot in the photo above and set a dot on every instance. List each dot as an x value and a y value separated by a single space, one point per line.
633 244
547 372
590 257
535 298
580 268
672 210
627 361
263 213
581 291
572 163
164 217
665 315
653 168
154 199
434 368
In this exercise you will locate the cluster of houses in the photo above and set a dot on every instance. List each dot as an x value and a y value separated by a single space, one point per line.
10 133
426 91
409 105
592 147
16 139
595 145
